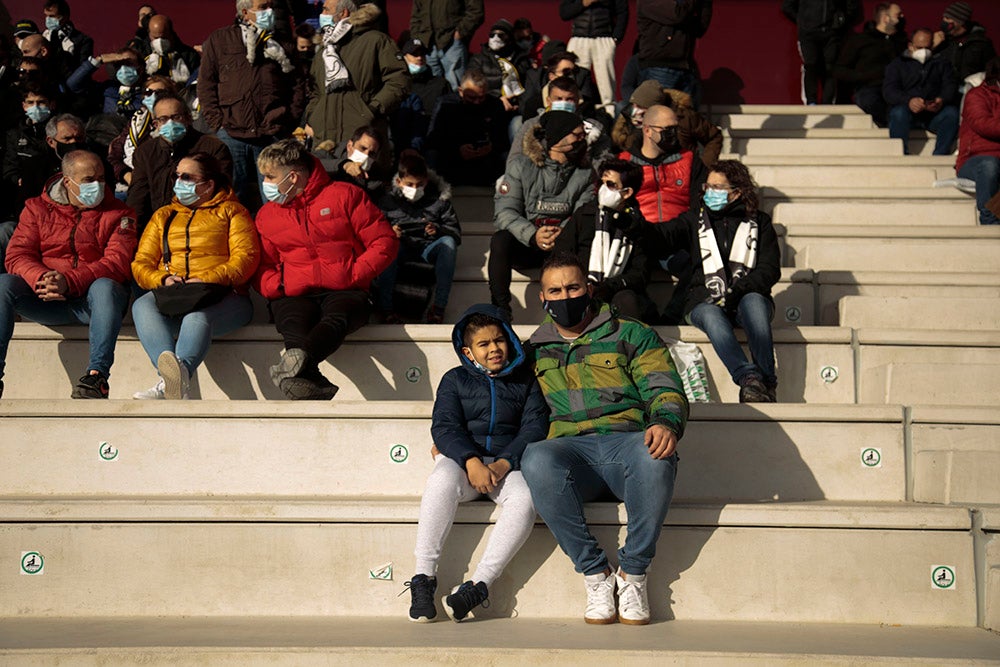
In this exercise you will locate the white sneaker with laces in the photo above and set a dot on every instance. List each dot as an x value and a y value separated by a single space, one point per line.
154 393
633 602
600 599
176 378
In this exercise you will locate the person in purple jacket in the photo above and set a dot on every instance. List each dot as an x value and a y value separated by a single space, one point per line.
485 413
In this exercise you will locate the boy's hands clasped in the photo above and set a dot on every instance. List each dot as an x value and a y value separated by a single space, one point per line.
484 478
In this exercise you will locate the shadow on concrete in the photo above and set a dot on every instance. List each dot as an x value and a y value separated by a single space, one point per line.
723 86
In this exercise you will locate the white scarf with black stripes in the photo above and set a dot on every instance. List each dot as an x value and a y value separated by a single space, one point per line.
336 74
254 37
742 257
610 249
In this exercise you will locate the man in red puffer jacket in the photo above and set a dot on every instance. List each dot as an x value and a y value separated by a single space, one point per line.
68 262
979 141
322 244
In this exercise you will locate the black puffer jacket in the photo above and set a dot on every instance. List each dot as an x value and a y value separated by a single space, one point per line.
487 62
668 30
968 53
822 15
865 56
604 18
906 78
477 415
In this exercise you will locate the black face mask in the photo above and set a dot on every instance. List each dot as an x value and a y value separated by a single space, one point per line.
945 27
668 140
577 150
62 149
568 312
901 25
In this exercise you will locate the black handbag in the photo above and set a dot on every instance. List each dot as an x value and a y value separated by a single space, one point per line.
183 298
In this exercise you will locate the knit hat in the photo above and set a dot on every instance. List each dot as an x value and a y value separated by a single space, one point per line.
504 25
552 48
557 124
959 12
649 93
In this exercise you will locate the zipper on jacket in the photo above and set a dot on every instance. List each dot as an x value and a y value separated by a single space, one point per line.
493 413
72 239
187 246
659 194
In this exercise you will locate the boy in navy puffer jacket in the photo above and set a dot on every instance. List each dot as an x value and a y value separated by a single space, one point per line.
486 411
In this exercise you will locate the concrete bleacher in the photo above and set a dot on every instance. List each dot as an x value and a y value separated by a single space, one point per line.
241 531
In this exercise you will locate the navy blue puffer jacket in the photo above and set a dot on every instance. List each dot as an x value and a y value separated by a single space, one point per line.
476 415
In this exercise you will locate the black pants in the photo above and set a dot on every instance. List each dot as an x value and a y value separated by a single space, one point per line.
871 101
506 254
319 323
819 53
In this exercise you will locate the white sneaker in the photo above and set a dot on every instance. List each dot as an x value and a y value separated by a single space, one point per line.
154 393
600 599
633 602
176 379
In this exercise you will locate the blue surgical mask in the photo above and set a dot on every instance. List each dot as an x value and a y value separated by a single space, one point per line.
51 23
265 19
127 75
91 194
148 101
38 113
326 21
185 191
564 105
415 69
716 199
272 191
173 131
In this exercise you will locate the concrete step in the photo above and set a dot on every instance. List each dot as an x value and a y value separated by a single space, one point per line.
274 451
868 564
915 367
961 313
989 521
835 176
839 253
935 161
770 145
801 121
956 455
385 363
946 214
834 110
395 642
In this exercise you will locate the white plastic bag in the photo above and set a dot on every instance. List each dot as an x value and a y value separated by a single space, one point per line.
691 367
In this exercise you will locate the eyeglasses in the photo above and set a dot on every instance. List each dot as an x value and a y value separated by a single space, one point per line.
177 118
499 34
152 91
188 178
709 186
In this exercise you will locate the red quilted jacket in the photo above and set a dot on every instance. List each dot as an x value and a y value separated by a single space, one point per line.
979 133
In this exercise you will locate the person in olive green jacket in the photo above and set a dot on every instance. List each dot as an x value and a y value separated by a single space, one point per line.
446 27
358 75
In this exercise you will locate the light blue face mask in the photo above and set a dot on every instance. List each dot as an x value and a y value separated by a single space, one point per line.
91 194
127 75
265 19
173 131
185 191
148 101
273 193
716 200
415 69
38 113
52 23
326 21
564 105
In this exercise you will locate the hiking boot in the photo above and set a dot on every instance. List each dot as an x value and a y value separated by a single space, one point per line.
772 392
154 393
422 588
91 385
752 390
292 361
305 389
600 599
633 602
464 599
435 315
175 375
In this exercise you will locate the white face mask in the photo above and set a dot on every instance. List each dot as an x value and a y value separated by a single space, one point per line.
364 161
161 46
921 55
412 194
497 43
609 198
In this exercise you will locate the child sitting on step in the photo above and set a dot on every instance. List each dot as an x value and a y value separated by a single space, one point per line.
418 206
485 413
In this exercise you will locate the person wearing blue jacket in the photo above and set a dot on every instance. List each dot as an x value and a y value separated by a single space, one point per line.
485 413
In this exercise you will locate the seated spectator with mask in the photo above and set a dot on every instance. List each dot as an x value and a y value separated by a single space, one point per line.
121 152
169 56
979 141
504 65
26 148
963 42
357 160
68 263
410 122
560 63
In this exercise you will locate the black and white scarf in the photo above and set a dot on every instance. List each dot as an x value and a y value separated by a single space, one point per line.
254 37
742 257
610 249
336 74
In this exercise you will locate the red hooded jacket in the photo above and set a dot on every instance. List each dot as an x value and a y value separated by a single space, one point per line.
979 133
81 244
330 237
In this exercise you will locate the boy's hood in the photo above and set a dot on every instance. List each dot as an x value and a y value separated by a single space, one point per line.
517 351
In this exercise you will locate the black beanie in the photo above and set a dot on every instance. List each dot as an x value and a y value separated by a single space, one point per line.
557 124
960 12
505 26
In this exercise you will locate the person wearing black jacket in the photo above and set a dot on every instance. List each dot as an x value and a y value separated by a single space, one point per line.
865 56
668 30
962 41
822 25
737 262
598 26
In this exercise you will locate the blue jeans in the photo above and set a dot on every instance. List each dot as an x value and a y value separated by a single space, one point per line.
449 63
102 307
753 314
944 124
245 156
678 79
564 473
985 171
6 232
193 332
441 253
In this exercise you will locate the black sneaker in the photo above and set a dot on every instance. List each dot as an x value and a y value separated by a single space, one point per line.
1 388
422 588
91 385
752 390
465 598
305 389
772 392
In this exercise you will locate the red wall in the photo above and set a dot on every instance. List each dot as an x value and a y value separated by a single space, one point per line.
748 54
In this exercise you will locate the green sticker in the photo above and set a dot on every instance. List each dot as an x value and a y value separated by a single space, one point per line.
943 578
399 453
871 457
413 374
32 562
108 452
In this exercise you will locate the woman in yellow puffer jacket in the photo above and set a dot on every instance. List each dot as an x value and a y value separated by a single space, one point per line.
210 238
